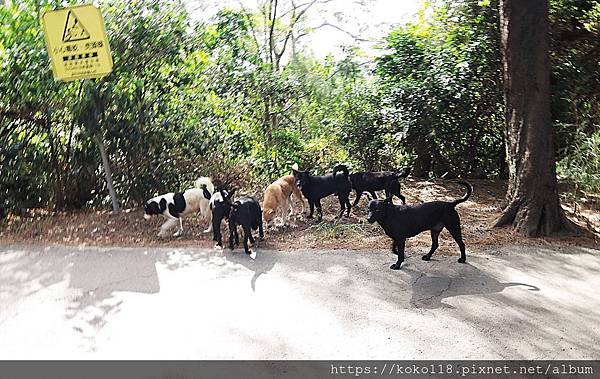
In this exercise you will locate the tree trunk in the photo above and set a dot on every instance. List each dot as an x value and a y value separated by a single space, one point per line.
422 163
534 208
107 173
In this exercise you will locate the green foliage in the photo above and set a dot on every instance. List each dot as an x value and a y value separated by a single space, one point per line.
581 162
575 30
214 99
441 80
34 124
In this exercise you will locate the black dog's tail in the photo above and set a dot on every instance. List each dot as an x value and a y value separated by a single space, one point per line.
469 189
403 173
341 168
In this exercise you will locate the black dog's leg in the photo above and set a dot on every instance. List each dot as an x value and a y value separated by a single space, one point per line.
348 206
233 237
399 245
453 227
342 206
319 210
261 234
401 198
395 190
217 237
247 236
311 204
358 195
435 233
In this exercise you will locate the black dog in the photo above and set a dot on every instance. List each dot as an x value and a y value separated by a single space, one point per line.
401 222
378 181
314 188
220 206
247 213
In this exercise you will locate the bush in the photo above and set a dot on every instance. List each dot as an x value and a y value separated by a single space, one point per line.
581 162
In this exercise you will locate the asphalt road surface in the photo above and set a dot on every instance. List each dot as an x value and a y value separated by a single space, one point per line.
178 303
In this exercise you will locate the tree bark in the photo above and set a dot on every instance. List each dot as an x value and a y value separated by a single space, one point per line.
423 159
107 173
533 203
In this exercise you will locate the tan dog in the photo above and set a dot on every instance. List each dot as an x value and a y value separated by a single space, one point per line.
278 197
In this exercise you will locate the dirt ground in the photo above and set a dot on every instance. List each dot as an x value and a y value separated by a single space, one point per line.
102 228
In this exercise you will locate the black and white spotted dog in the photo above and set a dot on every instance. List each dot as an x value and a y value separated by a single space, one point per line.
175 206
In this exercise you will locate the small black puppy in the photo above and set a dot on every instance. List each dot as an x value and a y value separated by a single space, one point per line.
378 181
401 222
220 206
314 188
247 213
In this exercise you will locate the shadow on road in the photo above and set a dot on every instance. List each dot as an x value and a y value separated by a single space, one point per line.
98 278
353 288
429 290
264 262
225 260
86 276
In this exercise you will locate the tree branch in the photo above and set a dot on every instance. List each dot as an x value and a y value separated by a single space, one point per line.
273 16
247 15
23 116
355 37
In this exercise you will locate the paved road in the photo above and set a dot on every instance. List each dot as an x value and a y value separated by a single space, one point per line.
515 302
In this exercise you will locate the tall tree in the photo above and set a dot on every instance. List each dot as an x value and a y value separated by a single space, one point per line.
534 207
280 27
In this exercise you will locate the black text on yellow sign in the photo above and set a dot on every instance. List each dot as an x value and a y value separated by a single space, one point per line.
76 42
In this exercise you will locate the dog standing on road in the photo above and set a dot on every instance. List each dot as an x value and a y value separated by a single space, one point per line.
220 206
175 205
278 199
245 212
401 222
314 188
370 182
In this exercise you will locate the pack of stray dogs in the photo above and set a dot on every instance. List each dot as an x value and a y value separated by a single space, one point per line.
399 222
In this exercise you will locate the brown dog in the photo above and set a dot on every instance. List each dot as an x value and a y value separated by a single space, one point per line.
278 198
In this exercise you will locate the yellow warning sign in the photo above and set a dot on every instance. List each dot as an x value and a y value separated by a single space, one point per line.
77 43
74 29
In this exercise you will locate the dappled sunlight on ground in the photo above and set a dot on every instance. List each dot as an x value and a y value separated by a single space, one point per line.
512 302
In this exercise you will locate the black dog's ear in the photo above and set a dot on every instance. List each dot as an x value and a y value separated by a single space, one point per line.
162 205
236 205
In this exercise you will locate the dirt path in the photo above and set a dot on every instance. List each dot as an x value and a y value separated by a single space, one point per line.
100 228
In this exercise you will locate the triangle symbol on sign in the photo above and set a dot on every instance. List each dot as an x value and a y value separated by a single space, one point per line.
74 29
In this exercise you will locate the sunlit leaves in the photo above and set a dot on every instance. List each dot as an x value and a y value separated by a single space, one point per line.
446 88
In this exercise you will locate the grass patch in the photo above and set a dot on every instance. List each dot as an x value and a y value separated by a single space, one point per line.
329 230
